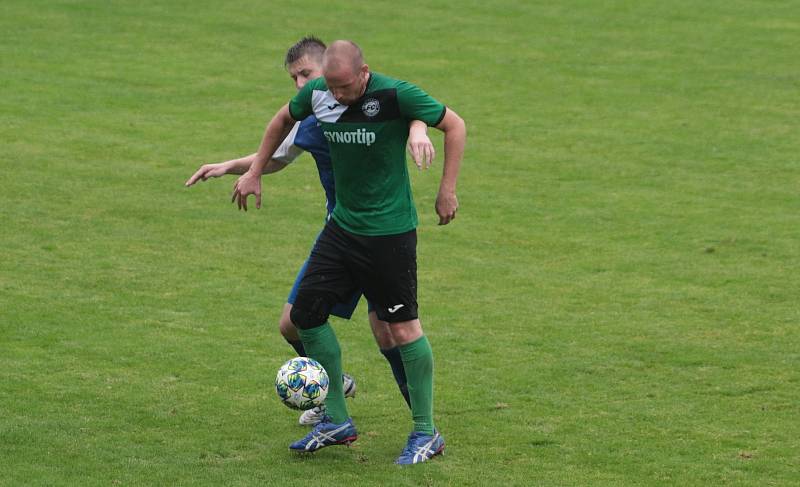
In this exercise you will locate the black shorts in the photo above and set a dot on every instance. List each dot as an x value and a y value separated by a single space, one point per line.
384 267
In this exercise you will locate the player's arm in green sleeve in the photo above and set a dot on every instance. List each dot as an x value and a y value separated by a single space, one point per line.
416 104
280 126
277 130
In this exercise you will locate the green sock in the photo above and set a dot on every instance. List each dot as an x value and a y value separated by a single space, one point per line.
418 362
321 345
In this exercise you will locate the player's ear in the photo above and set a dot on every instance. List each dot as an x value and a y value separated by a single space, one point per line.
364 70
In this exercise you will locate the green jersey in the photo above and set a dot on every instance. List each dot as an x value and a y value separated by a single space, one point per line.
368 150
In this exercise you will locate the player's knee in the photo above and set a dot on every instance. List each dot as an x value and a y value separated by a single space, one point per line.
383 335
385 342
286 327
309 313
406 332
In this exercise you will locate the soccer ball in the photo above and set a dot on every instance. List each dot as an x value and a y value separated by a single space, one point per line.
302 383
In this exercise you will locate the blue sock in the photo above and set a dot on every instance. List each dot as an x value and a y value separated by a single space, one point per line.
298 347
395 360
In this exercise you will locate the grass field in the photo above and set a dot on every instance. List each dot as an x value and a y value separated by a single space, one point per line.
617 302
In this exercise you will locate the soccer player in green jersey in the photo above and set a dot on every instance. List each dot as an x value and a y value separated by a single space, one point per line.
370 241
304 63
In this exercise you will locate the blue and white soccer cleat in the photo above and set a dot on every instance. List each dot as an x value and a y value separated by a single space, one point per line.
420 448
348 385
326 434
314 415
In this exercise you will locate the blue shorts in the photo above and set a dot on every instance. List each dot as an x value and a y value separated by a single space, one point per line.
342 310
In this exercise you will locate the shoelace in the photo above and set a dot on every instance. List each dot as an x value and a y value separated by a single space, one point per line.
409 448
318 427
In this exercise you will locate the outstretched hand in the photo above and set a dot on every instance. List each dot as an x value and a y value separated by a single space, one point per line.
207 171
246 185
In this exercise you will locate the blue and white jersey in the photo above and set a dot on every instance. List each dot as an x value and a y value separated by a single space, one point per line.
307 136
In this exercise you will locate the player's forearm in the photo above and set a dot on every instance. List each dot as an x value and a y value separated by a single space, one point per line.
273 166
277 130
240 165
455 138
417 128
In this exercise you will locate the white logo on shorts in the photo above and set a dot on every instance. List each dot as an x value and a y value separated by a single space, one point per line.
394 308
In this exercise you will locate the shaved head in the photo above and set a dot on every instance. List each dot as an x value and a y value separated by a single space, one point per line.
342 55
345 72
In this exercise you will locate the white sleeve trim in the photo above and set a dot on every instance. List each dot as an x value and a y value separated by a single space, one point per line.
287 151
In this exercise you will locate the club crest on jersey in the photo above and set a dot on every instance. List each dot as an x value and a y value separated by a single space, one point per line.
371 107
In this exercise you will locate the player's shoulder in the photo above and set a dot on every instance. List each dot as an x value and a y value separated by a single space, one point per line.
318 84
307 91
378 81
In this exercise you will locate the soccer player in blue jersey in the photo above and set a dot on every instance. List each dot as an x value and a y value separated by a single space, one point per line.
304 63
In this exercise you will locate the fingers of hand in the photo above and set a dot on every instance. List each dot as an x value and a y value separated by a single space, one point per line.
241 200
244 188
430 153
194 178
423 154
446 218
239 197
446 209
415 155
